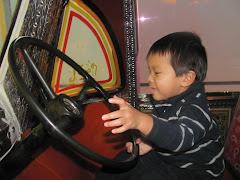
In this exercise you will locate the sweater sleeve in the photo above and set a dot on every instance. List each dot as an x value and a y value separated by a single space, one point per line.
182 131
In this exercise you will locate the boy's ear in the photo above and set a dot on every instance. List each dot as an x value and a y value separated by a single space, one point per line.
189 78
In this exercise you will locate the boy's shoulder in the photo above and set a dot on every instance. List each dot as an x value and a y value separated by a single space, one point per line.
195 94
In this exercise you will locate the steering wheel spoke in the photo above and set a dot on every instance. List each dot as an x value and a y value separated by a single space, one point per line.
81 96
47 88
61 106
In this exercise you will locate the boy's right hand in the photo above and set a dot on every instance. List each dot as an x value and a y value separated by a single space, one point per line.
127 117
144 147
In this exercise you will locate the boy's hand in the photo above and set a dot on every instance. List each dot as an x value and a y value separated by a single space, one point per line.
127 117
144 147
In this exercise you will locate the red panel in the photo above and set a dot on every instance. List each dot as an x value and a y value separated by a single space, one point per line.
58 162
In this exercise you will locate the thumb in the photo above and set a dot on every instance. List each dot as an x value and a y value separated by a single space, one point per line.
138 141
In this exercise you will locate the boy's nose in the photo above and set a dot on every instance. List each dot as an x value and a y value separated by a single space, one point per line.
150 78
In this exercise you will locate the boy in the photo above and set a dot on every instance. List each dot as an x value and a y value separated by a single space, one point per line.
180 140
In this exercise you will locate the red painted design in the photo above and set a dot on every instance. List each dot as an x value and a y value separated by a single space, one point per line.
74 14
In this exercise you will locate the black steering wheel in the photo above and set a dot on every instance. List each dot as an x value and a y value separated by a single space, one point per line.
61 109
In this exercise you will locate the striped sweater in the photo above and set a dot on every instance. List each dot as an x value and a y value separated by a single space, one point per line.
184 133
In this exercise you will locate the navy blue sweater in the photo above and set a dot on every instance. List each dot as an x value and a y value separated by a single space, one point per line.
185 134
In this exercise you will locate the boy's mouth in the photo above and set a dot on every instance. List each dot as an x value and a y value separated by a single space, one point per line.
152 90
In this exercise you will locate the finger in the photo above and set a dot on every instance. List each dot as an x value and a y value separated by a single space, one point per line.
129 147
119 130
119 101
128 144
110 116
113 123
138 141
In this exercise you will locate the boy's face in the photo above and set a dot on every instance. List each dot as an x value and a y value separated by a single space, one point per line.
163 81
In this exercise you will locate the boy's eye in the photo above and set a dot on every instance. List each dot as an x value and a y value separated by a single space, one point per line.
157 72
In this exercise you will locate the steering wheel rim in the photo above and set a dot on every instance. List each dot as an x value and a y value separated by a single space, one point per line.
57 132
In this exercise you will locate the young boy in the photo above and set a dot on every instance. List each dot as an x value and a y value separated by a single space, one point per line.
180 140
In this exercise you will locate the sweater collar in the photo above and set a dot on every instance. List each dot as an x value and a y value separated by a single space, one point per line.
193 88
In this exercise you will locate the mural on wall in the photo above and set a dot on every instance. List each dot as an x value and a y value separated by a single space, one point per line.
85 39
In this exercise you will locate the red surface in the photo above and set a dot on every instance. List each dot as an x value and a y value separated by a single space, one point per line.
58 162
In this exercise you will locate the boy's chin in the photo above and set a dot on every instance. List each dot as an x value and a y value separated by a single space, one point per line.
157 98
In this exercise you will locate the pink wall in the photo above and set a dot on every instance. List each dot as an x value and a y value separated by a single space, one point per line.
216 21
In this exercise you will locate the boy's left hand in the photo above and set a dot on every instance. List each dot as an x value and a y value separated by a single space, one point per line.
144 146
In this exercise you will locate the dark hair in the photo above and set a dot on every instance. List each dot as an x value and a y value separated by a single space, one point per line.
186 51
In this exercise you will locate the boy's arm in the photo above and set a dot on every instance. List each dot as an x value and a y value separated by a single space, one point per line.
181 132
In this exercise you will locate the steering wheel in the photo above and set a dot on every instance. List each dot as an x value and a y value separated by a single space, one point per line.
61 109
